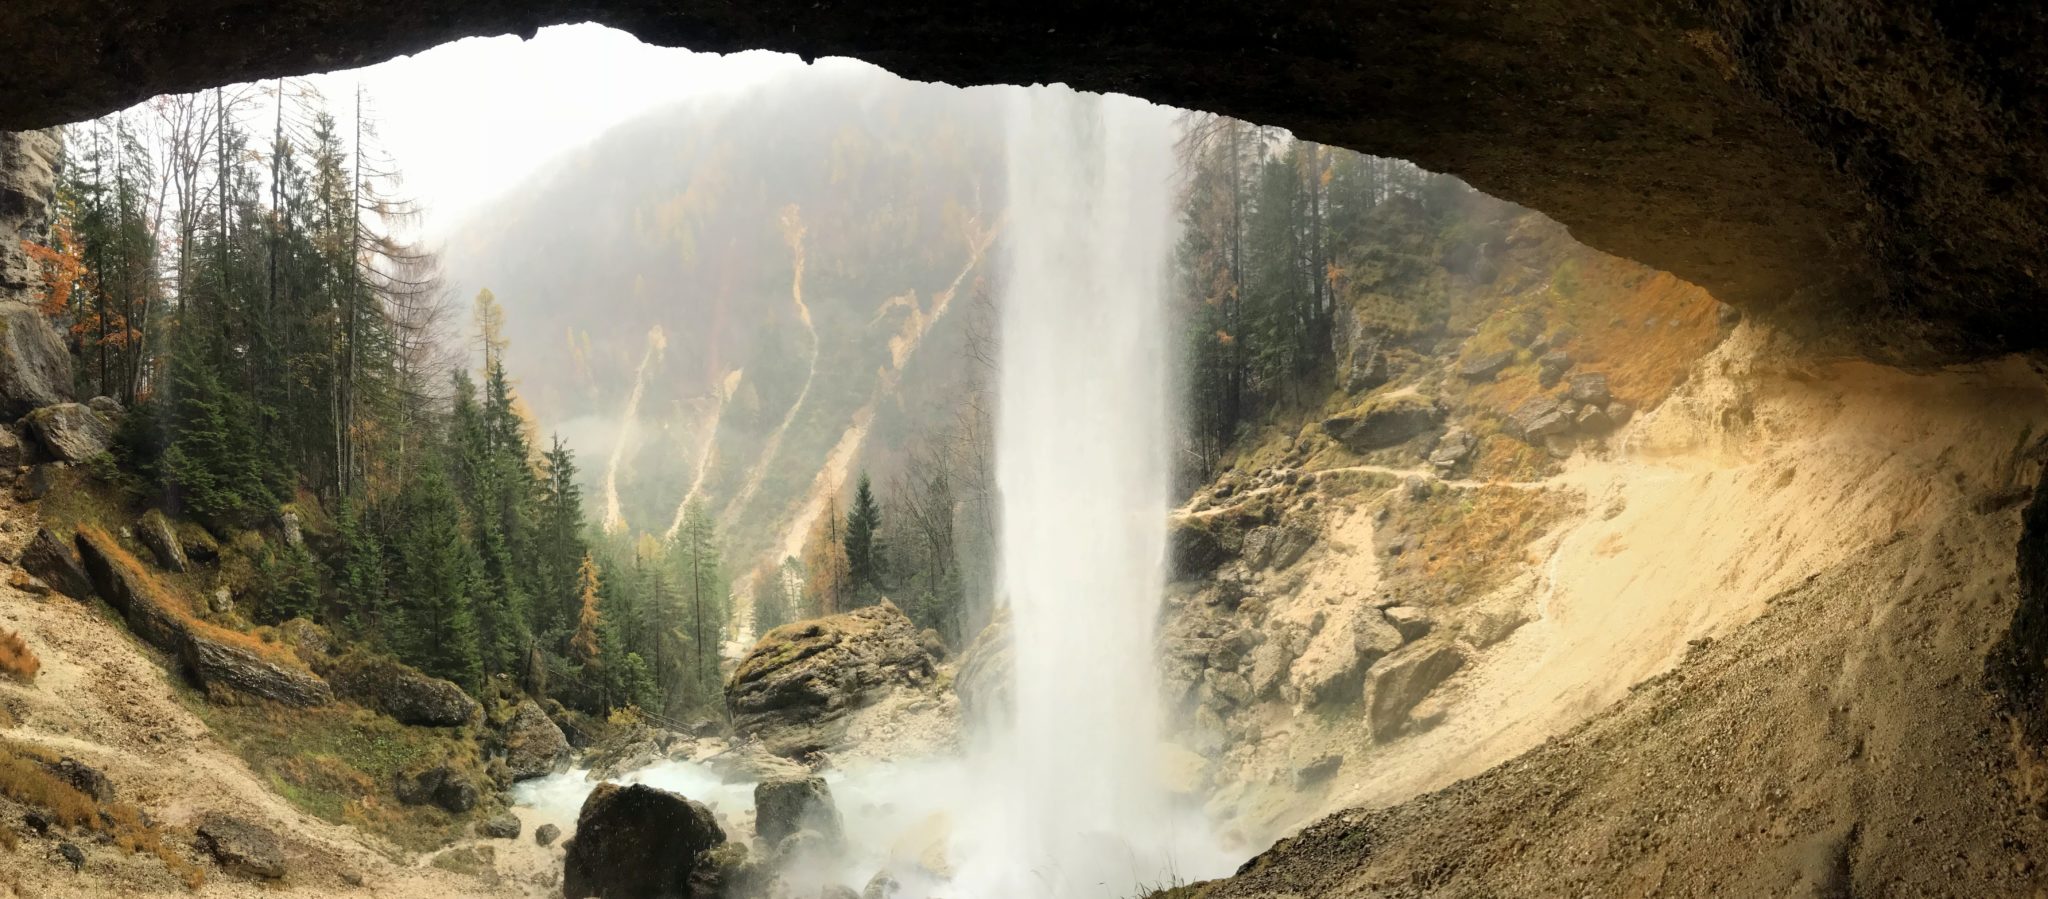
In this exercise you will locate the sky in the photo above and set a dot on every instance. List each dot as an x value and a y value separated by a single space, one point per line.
469 120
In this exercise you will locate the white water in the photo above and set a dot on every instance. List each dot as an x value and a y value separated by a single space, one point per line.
1065 799
1073 804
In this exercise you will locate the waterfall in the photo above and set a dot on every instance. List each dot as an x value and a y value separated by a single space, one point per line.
1073 804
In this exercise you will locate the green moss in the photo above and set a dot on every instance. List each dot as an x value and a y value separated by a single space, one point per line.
340 763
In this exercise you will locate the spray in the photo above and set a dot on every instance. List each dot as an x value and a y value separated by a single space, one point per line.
1075 805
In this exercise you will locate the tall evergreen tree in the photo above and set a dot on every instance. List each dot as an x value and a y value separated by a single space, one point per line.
864 545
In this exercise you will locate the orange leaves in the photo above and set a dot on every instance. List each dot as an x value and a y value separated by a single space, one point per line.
583 645
16 659
62 267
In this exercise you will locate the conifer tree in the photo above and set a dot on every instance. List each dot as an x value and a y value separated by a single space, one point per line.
863 544
435 574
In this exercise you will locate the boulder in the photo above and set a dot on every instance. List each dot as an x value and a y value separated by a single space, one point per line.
1484 627
1551 368
1413 623
219 666
983 679
1276 546
795 686
1618 413
1402 680
534 745
155 532
71 431
1455 447
52 560
501 826
1589 389
1383 422
106 405
1193 548
241 846
1591 419
1316 772
289 530
1540 417
389 686
83 778
1331 673
1485 366
35 368
546 834
785 805
440 785
637 842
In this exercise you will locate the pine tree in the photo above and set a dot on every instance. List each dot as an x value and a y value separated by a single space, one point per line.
863 544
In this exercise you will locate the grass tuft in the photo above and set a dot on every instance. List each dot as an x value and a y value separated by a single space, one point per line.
16 659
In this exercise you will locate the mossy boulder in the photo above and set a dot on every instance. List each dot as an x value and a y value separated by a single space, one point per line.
792 690
389 686
1382 422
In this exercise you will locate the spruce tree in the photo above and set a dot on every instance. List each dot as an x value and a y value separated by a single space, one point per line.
435 576
864 545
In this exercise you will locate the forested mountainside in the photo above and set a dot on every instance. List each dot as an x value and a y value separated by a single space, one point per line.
785 280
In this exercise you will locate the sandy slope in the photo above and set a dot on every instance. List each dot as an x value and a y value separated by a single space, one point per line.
1756 476
101 699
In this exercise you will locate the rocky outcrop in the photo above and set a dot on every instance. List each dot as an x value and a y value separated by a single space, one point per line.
1333 677
534 745
223 662
1383 422
1276 546
786 805
131 592
387 685
1395 686
241 846
1194 547
221 667
155 531
35 368
800 679
638 842
71 432
52 561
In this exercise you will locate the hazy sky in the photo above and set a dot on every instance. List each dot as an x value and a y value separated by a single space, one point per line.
466 121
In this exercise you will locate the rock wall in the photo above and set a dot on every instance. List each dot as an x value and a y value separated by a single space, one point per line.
1866 170
35 369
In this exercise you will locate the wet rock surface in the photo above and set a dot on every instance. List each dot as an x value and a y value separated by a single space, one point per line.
534 745
635 842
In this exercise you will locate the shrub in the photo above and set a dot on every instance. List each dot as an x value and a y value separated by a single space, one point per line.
16 659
